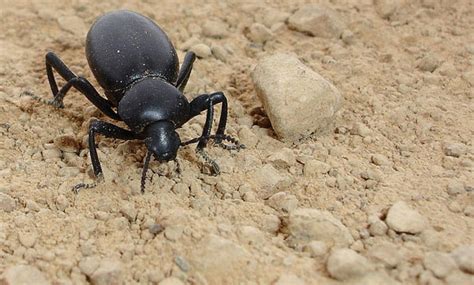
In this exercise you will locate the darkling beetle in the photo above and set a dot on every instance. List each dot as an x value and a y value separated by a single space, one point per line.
137 66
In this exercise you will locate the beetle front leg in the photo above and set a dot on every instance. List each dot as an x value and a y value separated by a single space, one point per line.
108 130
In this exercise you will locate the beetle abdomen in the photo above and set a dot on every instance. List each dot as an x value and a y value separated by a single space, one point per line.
123 46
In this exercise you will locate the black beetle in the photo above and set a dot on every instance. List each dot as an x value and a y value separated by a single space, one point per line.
137 66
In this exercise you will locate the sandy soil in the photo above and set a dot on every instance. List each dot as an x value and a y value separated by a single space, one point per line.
403 134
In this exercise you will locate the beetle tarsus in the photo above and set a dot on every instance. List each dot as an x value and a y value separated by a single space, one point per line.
80 186
211 162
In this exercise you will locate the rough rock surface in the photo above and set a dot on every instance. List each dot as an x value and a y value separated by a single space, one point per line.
317 20
401 218
306 225
23 275
297 100
346 264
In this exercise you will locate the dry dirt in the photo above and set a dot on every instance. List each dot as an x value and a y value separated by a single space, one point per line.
404 133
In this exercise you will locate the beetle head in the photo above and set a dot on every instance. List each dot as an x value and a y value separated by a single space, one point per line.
162 140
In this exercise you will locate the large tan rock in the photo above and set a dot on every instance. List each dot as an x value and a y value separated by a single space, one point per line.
297 100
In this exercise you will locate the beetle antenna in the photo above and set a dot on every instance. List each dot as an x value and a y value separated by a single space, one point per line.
145 169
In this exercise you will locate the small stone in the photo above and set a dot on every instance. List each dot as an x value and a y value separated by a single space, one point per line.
129 212
347 37
258 33
455 187
155 229
173 233
289 279
282 201
88 265
267 176
249 196
220 53
283 158
346 264
62 202
7 203
428 63
171 281
220 260
181 189
469 211
248 137
290 91
67 143
427 278
317 20
380 160
378 228
274 16
51 154
386 8
459 278
454 207
201 50
316 248
305 225
403 219
440 263
315 168
108 272
360 129
215 29
454 149
27 239
73 24
182 263
270 223
23 274
464 257
388 254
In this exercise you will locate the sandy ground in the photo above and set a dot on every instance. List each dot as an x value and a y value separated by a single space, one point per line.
403 134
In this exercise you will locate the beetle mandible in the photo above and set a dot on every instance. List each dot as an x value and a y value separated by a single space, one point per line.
137 66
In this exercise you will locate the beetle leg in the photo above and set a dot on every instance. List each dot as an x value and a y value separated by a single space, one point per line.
185 70
80 83
108 130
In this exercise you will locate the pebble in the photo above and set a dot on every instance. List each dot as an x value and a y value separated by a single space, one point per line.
379 159
67 143
306 224
215 29
7 203
290 91
464 257
378 228
62 202
459 278
270 223
386 253
455 187
220 53
386 8
155 229
173 232
88 265
283 158
469 211
360 129
288 279
454 207
316 248
51 154
428 63
454 149
440 263
258 33
73 24
220 260
182 263
27 239
249 196
345 264
171 281
347 37
268 176
248 137
317 20
108 272
315 168
23 274
283 201
401 218
201 50
129 212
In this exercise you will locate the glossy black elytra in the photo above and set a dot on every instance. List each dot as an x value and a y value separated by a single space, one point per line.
136 64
